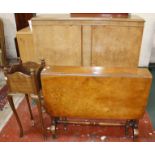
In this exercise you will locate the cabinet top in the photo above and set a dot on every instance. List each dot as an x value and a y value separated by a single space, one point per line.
49 17
95 71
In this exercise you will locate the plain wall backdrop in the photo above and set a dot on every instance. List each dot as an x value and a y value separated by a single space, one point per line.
147 53
10 33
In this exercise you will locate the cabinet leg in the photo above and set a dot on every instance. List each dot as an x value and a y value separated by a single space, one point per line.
29 107
10 99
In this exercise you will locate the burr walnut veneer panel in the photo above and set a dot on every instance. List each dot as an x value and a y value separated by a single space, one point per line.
67 41
101 93
116 45
58 45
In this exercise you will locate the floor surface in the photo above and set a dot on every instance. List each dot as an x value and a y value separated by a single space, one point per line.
74 133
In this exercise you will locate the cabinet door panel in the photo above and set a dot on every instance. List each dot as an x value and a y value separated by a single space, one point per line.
58 45
116 45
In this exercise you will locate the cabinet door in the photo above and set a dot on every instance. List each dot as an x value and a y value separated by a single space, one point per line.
58 44
116 45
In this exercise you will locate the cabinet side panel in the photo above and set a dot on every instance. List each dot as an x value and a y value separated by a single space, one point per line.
26 47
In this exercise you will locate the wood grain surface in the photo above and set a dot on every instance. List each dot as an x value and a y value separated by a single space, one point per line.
26 45
116 46
67 41
58 45
101 93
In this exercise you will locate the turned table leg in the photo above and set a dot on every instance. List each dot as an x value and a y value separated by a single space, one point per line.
135 131
39 106
127 125
65 124
10 99
53 126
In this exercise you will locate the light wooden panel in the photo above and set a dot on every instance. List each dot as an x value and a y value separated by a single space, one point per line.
67 41
116 45
58 45
64 19
26 45
106 93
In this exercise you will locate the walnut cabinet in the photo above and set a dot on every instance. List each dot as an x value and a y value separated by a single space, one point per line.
71 41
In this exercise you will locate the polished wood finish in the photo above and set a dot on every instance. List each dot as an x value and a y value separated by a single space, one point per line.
20 78
25 81
82 41
10 100
25 78
29 106
96 92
